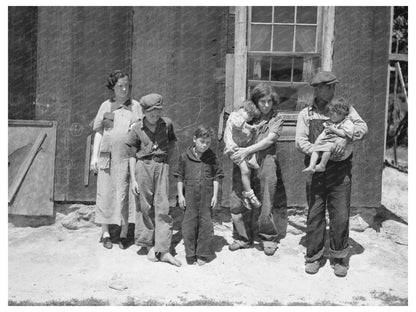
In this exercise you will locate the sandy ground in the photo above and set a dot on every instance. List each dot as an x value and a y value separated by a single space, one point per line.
54 263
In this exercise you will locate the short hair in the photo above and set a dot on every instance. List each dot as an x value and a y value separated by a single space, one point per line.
114 77
203 131
262 90
250 108
340 106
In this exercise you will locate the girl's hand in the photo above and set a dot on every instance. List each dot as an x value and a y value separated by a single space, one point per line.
213 201
181 201
239 155
135 188
94 164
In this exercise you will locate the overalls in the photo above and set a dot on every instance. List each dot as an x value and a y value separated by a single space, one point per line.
330 190
197 227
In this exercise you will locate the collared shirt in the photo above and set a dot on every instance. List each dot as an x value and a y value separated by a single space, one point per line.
110 106
194 170
148 143
312 112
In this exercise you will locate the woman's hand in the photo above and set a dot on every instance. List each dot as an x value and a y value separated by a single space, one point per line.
135 187
181 201
240 154
213 201
94 164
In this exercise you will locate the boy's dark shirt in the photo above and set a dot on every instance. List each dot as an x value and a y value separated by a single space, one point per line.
196 171
148 143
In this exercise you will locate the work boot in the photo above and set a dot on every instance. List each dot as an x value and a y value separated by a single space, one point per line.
312 267
340 267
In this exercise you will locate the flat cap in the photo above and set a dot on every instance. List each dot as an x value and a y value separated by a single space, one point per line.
151 101
325 77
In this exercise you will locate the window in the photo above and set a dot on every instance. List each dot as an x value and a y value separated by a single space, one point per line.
284 49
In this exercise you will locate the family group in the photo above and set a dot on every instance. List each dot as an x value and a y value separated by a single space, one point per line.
135 148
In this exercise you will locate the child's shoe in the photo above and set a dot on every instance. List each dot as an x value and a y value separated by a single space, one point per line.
254 202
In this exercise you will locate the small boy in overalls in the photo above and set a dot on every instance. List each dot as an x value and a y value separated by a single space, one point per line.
199 170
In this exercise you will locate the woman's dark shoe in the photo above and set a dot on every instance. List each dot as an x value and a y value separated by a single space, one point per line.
107 243
123 243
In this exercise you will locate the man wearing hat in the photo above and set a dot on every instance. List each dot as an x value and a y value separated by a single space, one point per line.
152 143
330 189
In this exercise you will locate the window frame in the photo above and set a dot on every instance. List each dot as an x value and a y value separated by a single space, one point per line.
308 55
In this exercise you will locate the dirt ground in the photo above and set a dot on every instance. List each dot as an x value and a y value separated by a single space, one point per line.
54 263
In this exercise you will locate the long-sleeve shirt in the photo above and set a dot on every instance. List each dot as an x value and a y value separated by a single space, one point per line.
310 113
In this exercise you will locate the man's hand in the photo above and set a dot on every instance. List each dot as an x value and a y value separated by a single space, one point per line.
181 201
339 147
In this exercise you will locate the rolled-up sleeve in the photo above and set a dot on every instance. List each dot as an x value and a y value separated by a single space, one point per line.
360 126
302 133
179 169
98 121
276 126
217 170
132 142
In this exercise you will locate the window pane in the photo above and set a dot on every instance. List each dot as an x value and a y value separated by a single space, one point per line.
259 68
281 68
287 98
305 38
283 38
297 69
284 14
260 37
306 15
261 14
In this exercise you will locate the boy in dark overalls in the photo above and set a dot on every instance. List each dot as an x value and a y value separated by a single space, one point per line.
155 142
330 189
198 168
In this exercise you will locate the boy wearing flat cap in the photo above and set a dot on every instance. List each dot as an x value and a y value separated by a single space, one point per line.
330 189
152 143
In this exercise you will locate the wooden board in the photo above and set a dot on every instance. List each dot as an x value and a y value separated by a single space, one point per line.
34 196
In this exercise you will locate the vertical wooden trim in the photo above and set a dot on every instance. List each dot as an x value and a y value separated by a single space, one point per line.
240 55
328 37
388 83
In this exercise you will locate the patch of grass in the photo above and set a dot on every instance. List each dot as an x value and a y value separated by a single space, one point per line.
201 302
389 299
72 302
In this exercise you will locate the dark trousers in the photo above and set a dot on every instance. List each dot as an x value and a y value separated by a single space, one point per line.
197 228
329 190
261 222
153 223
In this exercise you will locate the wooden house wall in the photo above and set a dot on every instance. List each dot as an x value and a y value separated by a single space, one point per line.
361 50
77 49
22 39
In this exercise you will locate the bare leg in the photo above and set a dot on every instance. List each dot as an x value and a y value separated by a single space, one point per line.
151 254
324 160
245 176
312 163
104 231
124 230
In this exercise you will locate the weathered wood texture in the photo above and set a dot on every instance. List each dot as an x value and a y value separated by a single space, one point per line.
77 49
22 61
179 52
361 63
34 195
